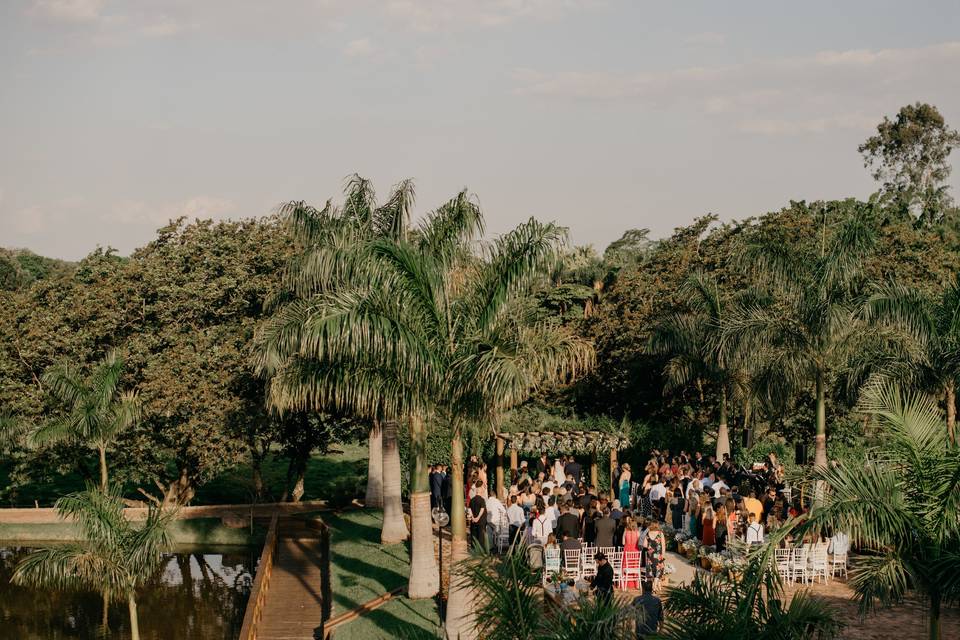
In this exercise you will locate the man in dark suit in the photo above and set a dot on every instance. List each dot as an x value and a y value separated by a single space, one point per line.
605 527
572 468
603 581
446 490
568 523
649 612
436 486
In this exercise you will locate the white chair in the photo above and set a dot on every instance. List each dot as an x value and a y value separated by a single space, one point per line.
588 564
551 563
615 558
798 564
838 564
818 563
503 534
571 563
783 561
631 569
607 550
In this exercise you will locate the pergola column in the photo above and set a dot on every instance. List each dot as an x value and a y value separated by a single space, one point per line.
593 469
500 488
513 460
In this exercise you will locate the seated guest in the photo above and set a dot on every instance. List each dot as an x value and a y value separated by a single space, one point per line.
569 544
615 511
649 612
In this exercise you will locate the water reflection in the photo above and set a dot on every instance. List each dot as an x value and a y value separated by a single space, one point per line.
198 594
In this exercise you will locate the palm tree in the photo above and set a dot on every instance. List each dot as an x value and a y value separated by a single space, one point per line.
510 604
438 333
97 411
329 239
692 340
900 506
115 556
801 323
932 329
752 607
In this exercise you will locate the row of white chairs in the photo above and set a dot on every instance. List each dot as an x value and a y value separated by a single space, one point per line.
810 562
581 564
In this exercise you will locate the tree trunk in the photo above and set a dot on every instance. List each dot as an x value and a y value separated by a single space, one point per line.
394 528
951 398
501 489
820 451
104 485
180 491
257 477
723 431
374 497
935 631
594 476
105 615
297 493
424 579
459 623
134 622
747 429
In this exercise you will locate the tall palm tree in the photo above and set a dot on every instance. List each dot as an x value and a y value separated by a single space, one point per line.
692 340
97 411
114 556
432 329
328 259
901 507
932 327
801 324
752 607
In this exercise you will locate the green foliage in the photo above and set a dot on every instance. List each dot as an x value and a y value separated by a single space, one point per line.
760 450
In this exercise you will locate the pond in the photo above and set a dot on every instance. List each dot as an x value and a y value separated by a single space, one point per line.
199 593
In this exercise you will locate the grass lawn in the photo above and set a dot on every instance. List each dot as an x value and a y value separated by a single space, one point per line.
231 487
204 532
362 570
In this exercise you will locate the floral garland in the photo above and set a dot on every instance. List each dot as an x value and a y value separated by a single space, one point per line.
566 441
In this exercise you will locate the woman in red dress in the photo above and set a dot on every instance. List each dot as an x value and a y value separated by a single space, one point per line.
631 539
708 530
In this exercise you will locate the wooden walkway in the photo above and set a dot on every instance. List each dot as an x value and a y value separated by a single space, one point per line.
293 605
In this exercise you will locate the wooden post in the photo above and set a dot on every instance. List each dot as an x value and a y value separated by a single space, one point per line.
614 489
513 460
593 469
500 489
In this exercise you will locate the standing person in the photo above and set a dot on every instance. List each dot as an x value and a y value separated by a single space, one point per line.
605 527
446 489
676 504
478 518
483 478
720 528
624 484
539 527
754 529
436 486
543 464
655 548
602 583
649 612
568 523
658 495
631 543
709 519
559 475
496 517
515 517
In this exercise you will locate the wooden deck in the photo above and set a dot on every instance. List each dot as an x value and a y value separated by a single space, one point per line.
293 606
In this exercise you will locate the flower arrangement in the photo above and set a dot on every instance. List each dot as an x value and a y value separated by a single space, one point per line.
668 568
703 554
690 547
718 563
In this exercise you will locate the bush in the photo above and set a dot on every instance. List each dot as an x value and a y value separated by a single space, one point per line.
760 450
343 492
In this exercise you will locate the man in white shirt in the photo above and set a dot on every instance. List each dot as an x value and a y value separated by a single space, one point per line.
515 517
540 528
657 491
717 486
496 514
708 481
553 512
754 530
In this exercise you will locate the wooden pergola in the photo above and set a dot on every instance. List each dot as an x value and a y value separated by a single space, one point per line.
560 442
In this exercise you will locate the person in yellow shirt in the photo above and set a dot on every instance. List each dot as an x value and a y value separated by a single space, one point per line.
753 505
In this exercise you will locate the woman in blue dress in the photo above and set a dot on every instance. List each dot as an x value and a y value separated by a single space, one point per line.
624 484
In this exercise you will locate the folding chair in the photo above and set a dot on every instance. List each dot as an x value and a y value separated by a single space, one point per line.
588 563
631 569
799 563
818 563
551 563
571 563
615 558
783 562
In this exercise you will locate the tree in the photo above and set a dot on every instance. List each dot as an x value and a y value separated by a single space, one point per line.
910 539
932 329
801 322
97 411
909 155
115 556
752 607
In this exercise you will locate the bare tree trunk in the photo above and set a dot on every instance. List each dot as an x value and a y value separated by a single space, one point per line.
424 579
820 451
134 621
257 478
296 494
459 623
374 497
105 616
104 484
394 528
723 431
747 429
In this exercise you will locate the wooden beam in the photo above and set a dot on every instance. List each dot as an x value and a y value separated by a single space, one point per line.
614 489
593 470
501 492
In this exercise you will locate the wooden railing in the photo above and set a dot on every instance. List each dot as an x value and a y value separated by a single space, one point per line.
261 584
326 600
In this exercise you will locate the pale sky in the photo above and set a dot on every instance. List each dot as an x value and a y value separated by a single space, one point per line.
601 115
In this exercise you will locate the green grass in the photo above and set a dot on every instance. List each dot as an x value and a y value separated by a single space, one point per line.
199 531
362 569
231 487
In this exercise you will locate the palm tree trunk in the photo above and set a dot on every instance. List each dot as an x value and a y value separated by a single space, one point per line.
459 623
394 528
747 429
134 622
374 497
951 398
424 581
103 468
820 451
105 615
935 617
723 432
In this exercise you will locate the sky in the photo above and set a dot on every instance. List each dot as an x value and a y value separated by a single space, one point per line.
601 115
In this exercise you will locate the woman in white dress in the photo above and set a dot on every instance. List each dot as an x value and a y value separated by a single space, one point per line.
558 475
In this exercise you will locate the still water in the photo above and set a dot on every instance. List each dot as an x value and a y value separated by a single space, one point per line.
198 594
